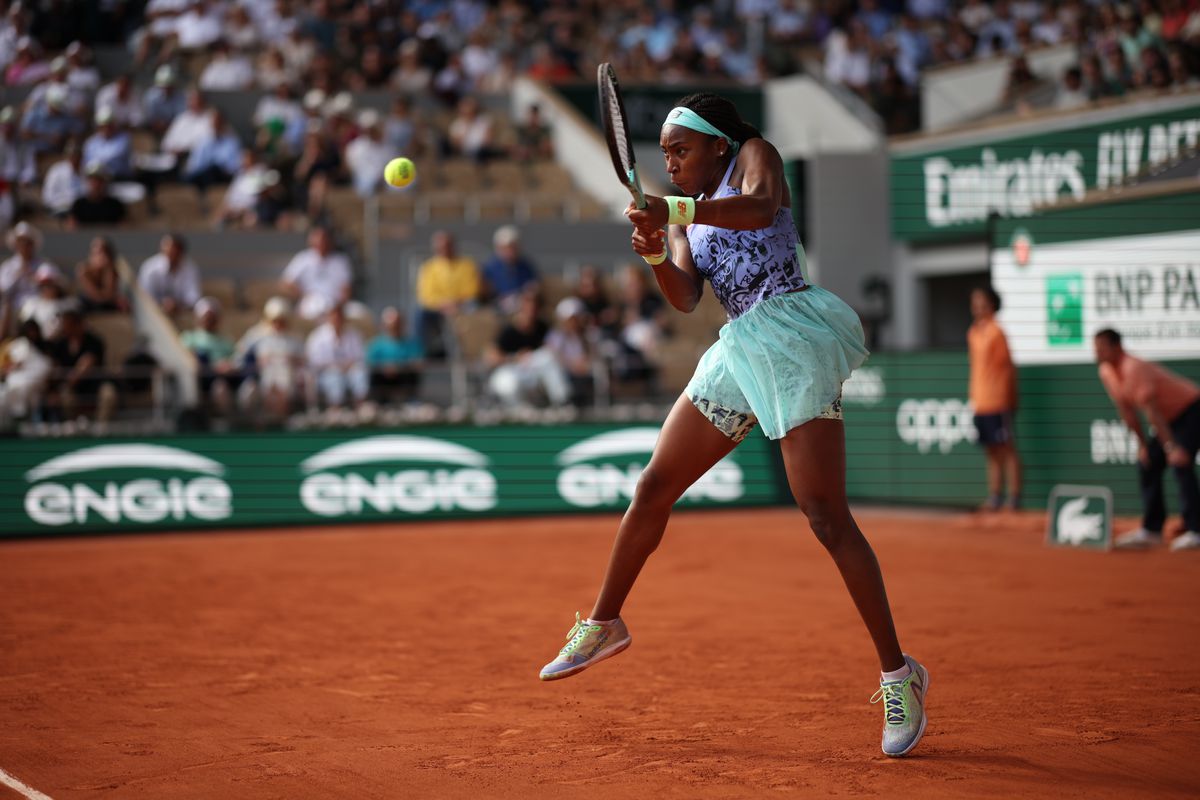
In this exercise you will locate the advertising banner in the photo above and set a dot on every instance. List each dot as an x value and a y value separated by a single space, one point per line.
949 193
1132 266
80 485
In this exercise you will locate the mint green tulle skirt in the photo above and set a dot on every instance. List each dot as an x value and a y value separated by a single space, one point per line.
782 363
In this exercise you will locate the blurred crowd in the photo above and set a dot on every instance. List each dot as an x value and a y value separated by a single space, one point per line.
313 347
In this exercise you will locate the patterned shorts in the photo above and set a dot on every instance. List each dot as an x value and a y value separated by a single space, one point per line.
738 424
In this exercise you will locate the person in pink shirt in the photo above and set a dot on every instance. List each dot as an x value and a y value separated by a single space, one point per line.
1171 404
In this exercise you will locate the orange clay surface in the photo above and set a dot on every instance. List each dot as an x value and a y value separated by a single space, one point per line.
401 662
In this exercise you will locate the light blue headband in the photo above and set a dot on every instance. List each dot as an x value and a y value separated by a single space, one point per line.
687 118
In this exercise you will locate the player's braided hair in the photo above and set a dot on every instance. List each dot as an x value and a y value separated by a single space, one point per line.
722 114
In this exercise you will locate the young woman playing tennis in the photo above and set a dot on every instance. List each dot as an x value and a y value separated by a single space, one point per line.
780 362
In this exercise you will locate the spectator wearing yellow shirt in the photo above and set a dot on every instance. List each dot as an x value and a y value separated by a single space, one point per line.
446 285
993 393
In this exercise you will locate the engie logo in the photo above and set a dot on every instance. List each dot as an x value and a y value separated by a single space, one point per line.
140 499
334 489
943 423
604 470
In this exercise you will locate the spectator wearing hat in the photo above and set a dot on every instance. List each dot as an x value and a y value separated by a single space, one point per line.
17 166
218 373
119 98
162 102
98 278
507 273
109 146
394 358
17 282
49 125
64 181
367 155
24 373
273 360
27 68
46 306
572 345
216 158
79 383
82 76
77 99
318 277
336 355
170 277
96 206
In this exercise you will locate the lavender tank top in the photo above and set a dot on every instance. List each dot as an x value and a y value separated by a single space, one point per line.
747 267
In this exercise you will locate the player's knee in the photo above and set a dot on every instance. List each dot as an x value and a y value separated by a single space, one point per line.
827 520
655 489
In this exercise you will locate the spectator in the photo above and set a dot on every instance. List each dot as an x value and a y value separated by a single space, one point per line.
199 28
49 125
79 383
993 394
27 68
847 59
109 147
238 204
82 75
162 20
600 310
191 128
277 113
272 208
216 158
1171 404
1071 94
336 356
18 170
394 358
46 307
96 206
522 365
642 323
274 357
240 33
218 374
411 77
399 129
507 273
24 373
572 346
228 71
17 282
318 277
470 132
170 277
98 278
367 155
446 284
273 71
534 140
163 102
119 99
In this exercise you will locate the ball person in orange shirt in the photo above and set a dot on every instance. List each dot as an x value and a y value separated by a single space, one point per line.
1171 404
993 394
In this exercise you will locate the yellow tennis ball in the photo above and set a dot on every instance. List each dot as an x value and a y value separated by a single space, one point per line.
399 172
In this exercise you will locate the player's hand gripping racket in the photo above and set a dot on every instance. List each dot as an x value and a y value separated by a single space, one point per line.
616 131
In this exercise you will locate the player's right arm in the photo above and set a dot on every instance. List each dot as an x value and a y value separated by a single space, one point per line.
677 275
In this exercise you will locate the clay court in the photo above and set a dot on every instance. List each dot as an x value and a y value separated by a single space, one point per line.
401 662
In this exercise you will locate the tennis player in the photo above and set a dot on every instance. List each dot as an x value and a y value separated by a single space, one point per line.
779 362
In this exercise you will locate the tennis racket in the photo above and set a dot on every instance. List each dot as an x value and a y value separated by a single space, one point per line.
616 132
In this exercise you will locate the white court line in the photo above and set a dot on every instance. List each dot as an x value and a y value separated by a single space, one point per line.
28 791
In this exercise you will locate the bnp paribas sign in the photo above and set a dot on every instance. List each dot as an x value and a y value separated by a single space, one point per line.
949 193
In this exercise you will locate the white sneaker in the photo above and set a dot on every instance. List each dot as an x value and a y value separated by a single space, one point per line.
1138 539
1186 541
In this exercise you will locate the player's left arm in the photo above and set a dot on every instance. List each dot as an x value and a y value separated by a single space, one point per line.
762 191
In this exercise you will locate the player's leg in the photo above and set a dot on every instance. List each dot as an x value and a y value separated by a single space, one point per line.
1013 474
1185 430
688 446
814 455
994 454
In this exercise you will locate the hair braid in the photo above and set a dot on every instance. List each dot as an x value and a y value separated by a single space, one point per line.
722 114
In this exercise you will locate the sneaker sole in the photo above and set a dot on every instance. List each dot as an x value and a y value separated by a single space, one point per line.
616 649
924 719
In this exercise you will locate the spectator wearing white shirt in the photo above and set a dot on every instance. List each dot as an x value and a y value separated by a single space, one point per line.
278 106
24 372
170 277
228 71
367 155
272 359
17 282
64 182
240 198
336 355
847 58
318 278
46 306
470 131
199 28
240 32
162 18
190 128
215 159
119 98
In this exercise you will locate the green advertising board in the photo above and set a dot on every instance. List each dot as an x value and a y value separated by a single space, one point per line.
83 485
646 105
943 194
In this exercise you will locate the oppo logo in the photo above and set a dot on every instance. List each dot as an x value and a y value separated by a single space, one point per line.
936 423
349 479
60 497
603 471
